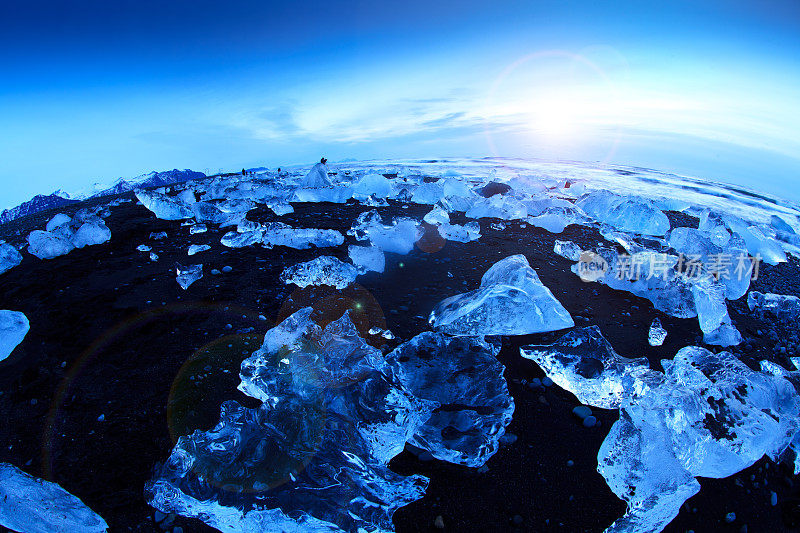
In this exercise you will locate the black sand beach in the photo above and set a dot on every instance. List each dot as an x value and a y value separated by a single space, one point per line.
120 361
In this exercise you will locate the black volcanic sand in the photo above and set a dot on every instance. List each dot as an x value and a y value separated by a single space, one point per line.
113 335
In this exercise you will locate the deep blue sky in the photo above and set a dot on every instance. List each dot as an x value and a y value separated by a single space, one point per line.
93 91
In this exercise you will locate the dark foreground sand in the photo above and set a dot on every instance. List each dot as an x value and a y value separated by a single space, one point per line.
113 334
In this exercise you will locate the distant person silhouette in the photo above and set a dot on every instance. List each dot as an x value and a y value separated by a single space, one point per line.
323 161
244 172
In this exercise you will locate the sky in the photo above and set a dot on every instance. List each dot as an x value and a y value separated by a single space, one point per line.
94 91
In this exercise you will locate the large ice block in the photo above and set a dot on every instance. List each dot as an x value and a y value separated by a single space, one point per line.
627 213
33 505
707 415
9 257
13 328
464 377
163 206
510 301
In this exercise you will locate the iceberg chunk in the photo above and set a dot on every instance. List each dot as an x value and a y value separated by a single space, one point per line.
324 270
372 185
568 250
657 334
556 219
437 215
9 257
428 193
197 248
207 212
367 258
712 312
90 233
626 213
188 275
780 224
316 177
640 467
37 506
333 194
58 220
279 234
453 232
13 328
234 239
398 237
646 274
728 262
584 363
47 245
335 365
758 244
464 377
708 414
498 206
781 306
164 207
291 467
510 301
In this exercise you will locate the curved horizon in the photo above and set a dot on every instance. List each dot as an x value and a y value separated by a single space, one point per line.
96 92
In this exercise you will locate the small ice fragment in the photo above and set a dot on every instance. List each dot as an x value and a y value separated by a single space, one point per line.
188 275
13 328
153 257
281 208
227 269
158 236
143 248
197 248
324 270
568 250
198 228
37 506
398 237
657 333
781 306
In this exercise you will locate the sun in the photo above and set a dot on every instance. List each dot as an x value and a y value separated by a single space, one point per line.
554 118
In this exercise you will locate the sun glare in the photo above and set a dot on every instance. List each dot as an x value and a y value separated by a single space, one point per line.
554 118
